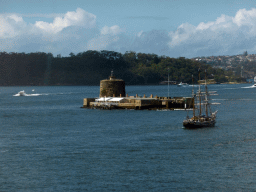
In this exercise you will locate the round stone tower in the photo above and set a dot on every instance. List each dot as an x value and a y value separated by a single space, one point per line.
112 87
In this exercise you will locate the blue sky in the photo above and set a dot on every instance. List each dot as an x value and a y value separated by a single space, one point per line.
165 27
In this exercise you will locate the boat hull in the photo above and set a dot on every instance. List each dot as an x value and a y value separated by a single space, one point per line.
196 124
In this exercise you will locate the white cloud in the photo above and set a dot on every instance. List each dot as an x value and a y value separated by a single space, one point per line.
225 35
49 15
140 33
155 41
78 18
244 17
65 34
107 37
98 43
15 18
77 32
11 25
114 30
103 42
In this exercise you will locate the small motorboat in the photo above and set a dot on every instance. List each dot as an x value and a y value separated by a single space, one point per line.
254 85
182 84
22 93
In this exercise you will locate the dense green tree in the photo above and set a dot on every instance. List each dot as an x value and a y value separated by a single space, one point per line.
88 68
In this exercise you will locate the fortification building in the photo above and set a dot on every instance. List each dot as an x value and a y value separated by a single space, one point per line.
112 87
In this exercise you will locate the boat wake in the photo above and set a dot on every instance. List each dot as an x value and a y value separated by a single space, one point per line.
249 87
231 88
22 93
252 86
215 103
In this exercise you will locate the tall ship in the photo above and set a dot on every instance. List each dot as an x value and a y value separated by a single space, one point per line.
202 113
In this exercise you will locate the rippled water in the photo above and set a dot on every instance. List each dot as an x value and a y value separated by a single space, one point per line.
48 143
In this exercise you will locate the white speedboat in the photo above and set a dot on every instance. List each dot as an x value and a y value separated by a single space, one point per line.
22 93
254 85
182 84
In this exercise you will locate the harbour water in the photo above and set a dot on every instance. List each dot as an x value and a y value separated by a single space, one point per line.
49 143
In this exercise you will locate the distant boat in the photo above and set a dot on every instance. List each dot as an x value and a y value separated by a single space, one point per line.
202 115
254 85
22 93
182 84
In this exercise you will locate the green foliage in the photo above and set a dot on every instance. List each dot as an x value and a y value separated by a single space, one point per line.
220 78
88 68
23 69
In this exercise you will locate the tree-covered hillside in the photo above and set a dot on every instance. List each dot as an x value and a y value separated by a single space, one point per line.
88 68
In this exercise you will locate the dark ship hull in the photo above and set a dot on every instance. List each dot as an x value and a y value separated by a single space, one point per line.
192 124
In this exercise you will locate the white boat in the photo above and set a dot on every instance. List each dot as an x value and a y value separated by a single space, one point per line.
254 85
22 93
182 84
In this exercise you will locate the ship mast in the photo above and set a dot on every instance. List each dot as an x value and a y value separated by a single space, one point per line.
206 97
199 95
193 95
